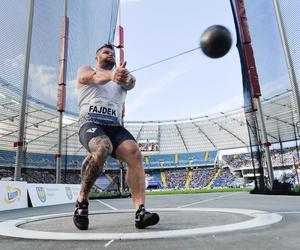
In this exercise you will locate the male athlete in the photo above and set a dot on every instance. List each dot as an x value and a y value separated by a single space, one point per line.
102 93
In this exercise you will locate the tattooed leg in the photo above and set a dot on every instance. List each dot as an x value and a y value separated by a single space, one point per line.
92 165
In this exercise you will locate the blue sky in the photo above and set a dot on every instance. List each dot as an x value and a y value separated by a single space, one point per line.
187 86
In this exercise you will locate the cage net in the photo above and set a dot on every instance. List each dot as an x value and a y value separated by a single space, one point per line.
91 24
277 94
290 11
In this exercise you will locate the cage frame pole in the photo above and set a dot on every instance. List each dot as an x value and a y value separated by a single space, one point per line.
62 87
288 58
20 143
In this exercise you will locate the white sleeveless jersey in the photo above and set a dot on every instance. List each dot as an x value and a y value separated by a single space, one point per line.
101 104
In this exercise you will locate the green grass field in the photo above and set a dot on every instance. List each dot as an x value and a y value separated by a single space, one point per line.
197 191
103 195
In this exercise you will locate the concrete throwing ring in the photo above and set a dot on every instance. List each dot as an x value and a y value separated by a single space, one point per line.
258 218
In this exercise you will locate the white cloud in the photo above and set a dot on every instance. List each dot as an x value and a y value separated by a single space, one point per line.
15 62
72 91
43 80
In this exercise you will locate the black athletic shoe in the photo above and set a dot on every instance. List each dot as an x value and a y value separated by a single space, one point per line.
81 213
144 218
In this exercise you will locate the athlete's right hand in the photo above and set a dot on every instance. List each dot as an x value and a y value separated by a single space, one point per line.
121 73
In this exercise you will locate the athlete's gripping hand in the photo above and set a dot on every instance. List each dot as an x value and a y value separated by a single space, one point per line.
123 77
121 74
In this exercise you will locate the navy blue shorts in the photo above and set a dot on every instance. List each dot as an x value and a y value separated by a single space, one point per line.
116 134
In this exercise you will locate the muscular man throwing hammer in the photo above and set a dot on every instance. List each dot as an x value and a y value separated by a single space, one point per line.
102 93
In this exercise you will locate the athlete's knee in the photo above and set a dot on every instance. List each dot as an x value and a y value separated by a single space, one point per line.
138 155
135 154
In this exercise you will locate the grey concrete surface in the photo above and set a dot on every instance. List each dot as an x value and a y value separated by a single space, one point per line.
124 222
282 235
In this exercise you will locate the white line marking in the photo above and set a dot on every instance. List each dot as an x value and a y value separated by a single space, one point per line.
107 205
204 201
108 243
257 219
291 212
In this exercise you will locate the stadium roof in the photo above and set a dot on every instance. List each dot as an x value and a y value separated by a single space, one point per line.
216 132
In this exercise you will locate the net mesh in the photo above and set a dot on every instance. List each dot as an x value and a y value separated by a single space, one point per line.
91 24
270 60
290 11
277 94
12 43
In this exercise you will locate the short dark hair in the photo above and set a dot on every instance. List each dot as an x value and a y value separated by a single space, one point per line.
107 45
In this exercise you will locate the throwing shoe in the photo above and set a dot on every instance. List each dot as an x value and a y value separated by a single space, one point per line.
81 213
144 219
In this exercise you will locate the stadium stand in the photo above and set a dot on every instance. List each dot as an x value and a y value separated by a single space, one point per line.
179 160
47 161
38 160
202 177
279 157
173 171
224 179
176 178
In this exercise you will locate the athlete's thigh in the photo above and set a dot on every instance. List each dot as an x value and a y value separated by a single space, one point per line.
123 142
90 135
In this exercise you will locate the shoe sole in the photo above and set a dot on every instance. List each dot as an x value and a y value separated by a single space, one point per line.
80 227
154 220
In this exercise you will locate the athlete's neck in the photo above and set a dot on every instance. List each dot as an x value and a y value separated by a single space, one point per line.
104 66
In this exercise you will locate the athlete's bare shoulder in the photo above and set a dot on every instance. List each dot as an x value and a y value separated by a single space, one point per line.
85 68
84 74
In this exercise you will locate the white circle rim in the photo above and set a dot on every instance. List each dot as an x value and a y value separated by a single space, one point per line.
11 228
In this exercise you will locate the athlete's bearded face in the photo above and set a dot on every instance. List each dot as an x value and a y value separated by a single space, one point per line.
106 57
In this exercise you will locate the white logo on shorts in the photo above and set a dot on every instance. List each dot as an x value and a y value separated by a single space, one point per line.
91 130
